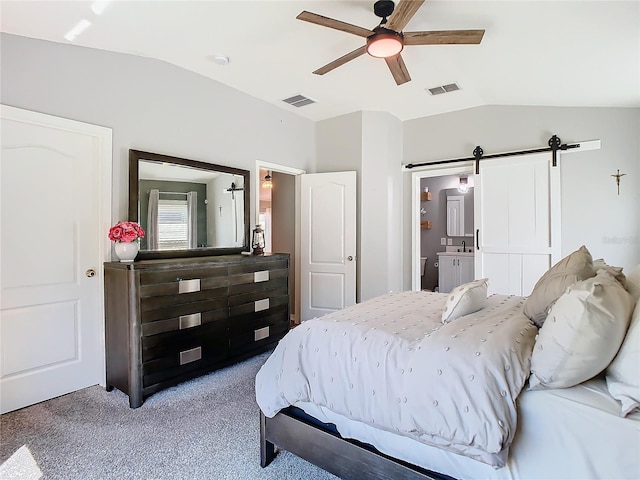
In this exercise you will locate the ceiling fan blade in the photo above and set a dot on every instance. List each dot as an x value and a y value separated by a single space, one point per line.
398 69
335 24
341 61
403 12
445 37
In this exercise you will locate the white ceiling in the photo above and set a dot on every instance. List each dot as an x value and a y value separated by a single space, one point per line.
561 53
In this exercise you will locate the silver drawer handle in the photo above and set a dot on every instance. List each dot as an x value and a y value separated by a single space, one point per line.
189 321
260 333
188 286
260 305
189 356
262 276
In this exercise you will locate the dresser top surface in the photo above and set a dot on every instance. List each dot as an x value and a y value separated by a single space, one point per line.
218 260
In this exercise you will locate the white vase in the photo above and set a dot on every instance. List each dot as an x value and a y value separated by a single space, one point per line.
127 251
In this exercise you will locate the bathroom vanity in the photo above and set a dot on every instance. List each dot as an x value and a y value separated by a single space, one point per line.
455 268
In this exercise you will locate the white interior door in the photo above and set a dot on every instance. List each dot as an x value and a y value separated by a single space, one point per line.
517 217
55 209
327 242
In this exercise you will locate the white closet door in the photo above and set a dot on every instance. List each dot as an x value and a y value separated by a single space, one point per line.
55 200
517 208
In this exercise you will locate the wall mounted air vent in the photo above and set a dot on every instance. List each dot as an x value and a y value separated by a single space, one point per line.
299 101
451 87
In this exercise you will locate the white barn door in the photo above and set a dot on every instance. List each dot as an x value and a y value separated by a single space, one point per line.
517 219
55 204
327 242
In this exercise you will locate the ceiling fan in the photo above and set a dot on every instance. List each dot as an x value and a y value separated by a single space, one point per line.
387 39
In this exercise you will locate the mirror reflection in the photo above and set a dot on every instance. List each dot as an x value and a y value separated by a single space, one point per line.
185 205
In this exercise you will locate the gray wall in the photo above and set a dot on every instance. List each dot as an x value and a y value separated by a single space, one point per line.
370 143
592 212
151 106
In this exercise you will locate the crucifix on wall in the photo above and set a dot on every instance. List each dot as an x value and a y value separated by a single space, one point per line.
617 176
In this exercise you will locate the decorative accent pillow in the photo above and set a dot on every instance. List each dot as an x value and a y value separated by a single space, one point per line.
616 272
582 334
571 269
465 299
633 283
623 375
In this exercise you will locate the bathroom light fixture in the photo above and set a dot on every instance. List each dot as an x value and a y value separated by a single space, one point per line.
267 183
463 186
384 43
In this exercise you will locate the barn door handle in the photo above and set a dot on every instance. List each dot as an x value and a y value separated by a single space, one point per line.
477 239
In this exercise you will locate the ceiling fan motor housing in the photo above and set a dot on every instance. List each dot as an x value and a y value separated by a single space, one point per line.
383 8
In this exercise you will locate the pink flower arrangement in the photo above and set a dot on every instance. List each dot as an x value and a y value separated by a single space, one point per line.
126 232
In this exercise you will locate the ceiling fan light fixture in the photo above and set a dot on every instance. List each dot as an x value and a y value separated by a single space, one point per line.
384 43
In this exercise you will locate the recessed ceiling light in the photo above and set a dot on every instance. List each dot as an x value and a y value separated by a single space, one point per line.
219 59
79 27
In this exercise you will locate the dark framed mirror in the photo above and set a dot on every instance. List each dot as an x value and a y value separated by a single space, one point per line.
188 208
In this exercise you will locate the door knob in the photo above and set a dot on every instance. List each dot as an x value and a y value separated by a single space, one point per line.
350 258
90 273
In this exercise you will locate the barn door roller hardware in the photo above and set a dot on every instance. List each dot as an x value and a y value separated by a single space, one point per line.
554 143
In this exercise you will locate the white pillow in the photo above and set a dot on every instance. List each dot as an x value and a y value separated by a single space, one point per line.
465 299
633 283
582 333
571 269
623 375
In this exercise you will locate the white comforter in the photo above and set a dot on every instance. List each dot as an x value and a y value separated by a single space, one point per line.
389 362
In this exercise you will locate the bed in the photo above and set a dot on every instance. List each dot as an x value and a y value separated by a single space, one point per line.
421 385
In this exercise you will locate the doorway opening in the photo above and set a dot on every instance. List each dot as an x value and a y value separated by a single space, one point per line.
434 219
277 212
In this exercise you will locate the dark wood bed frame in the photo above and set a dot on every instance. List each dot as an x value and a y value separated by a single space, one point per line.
348 459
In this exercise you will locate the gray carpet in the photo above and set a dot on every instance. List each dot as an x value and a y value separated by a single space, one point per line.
207 428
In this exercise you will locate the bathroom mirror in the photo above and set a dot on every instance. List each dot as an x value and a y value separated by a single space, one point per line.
459 213
187 207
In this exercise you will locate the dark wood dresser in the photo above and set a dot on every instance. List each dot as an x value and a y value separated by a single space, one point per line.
171 320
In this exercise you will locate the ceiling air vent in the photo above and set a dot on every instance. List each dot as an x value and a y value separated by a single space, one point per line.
299 101
451 87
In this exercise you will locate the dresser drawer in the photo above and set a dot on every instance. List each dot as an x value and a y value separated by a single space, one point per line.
177 352
200 357
245 282
258 265
159 301
183 309
174 275
272 279
184 322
